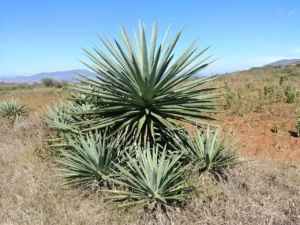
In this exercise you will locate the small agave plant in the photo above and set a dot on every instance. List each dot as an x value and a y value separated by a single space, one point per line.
151 179
13 109
61 116
211 151
88 159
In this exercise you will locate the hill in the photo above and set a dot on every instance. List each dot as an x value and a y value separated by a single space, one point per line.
283 62
59 76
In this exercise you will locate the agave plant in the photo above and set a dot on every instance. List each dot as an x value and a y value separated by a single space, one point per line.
210 151
61 116
152 179
145 88
13 109
88 159
58 116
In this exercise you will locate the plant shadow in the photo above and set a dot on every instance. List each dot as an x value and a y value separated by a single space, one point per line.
293 133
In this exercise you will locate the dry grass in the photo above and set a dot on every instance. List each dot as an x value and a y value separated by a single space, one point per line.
254 193
30 193
263 191
35 96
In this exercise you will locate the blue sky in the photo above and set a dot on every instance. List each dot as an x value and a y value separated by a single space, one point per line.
44 36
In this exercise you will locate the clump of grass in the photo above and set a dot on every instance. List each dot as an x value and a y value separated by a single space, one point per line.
13 109
275 128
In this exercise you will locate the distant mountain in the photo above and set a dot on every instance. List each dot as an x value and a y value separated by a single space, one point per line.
59 76
283 62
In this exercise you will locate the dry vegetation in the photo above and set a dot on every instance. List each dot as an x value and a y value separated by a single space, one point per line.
263 191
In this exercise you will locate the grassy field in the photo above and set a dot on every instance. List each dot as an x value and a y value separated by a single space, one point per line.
265 190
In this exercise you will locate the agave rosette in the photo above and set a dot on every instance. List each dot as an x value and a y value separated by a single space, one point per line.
144 88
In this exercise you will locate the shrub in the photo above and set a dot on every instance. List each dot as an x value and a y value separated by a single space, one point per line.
47 81
12 109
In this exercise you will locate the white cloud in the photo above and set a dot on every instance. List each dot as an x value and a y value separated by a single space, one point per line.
293 11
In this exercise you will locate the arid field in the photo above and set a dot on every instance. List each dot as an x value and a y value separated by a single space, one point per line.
263 190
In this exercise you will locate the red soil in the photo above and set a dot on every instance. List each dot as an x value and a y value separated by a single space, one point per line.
255 130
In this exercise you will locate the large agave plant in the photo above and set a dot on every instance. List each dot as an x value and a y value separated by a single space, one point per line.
12 109
151 179
211 151
144 88
88 159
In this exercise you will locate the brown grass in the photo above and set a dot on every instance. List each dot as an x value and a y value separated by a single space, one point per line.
257 192
35 96
263 191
